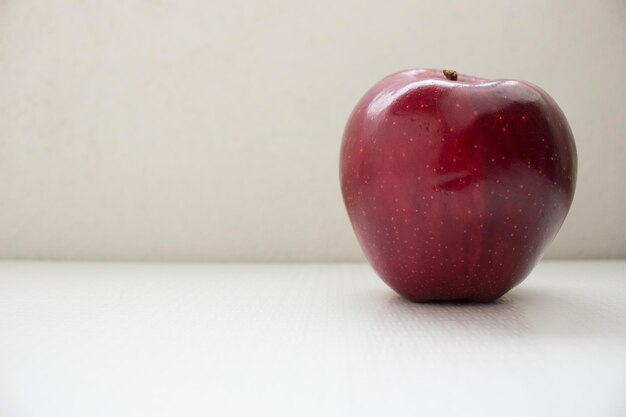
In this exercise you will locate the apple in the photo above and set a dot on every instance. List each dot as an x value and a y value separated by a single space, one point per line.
455 185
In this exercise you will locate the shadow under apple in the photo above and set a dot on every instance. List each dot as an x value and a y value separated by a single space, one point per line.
522 313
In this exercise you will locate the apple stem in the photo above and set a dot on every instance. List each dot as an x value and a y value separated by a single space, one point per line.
450 74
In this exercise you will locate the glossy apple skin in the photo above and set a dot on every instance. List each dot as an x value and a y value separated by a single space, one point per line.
456 188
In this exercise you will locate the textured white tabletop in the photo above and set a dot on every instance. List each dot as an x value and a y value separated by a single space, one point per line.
304 340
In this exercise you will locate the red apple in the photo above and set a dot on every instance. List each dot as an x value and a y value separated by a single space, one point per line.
455 185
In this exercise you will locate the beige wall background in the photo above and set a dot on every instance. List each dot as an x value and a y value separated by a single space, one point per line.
210 130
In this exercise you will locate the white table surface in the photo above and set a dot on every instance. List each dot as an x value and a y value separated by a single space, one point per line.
304 340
